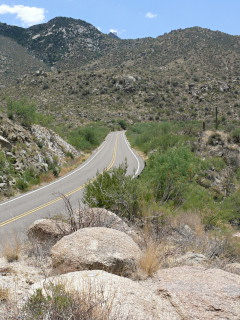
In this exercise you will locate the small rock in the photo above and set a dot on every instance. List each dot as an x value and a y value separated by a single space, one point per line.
43 230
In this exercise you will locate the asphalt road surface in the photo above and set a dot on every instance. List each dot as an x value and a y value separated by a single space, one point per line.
17 214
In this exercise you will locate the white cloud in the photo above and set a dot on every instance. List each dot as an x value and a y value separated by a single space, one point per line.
114 31
28 15
151 15
117 32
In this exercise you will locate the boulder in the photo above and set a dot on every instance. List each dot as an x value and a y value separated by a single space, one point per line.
191 258
48 230
96 248
124 298
233 268
100 217
199 293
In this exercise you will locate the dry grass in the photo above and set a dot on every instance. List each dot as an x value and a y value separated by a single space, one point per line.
47 177
149 262
193 220
11 249
57 302
4 294
73 164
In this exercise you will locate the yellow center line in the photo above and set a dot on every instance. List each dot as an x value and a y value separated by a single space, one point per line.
4 223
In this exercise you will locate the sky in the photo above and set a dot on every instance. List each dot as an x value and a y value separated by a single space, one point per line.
129 18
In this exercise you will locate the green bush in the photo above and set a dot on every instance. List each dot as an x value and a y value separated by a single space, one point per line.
2 160
235 135
58 303
87 137
23 110
28 178
115 191
169 173
152 136
123 124
230 209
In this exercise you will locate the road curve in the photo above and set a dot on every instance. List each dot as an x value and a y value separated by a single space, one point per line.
18 213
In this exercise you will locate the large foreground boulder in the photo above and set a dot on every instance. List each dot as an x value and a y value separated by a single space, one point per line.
199 293
123 298
96 248
48 230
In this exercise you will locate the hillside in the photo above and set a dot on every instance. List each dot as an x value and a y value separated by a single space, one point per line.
183 74
15 60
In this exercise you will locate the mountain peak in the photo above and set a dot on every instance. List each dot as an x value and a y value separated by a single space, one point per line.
113 35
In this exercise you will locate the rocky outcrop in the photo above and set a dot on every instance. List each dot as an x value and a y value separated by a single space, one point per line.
35 150
48 230
96 248
126 298
4 143
53 142
218 144
198 293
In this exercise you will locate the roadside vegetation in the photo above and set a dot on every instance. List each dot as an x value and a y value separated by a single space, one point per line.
23 112
175 183
86 137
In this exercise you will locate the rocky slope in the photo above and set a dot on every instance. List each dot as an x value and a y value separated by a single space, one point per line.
25 153
15 60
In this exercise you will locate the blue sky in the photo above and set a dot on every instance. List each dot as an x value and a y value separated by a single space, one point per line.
130 18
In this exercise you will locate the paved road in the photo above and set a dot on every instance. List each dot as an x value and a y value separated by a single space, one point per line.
18 213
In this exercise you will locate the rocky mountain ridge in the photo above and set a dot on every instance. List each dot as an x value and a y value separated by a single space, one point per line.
183 74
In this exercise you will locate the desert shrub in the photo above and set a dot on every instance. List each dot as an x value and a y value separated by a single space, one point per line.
170 172
59 304
235 135
87 137
216 162
53 166
23 110
115 191
149 262
28 178
123 124
2 160
230 209
4 294
148 137
21 184
215 139
11 249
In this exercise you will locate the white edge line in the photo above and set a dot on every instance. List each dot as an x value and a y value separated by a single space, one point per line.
128 145
52 183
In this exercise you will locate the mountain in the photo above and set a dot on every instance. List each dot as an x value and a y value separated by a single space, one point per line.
113 35
60 40
183 74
